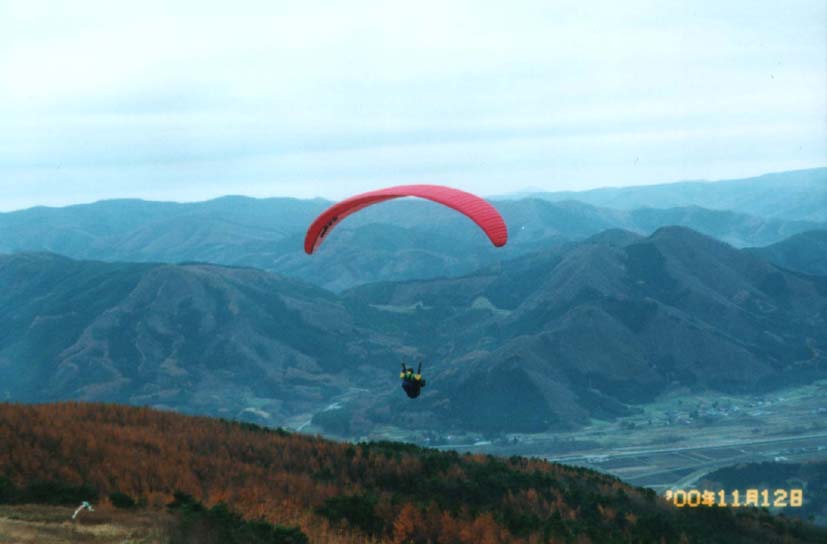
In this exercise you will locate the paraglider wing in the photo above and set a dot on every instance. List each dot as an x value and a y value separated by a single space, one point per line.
478 210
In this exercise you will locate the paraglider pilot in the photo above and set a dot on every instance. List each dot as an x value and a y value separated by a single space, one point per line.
412 383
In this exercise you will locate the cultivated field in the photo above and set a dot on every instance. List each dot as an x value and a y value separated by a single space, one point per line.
676 440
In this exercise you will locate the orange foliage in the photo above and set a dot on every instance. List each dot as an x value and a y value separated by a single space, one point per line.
280 477
407 524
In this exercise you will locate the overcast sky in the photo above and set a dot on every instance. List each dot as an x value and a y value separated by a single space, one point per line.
191 100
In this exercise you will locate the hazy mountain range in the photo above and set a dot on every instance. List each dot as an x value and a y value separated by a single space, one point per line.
592 328
805 252
797 195
579 330
191 337
404 240
587 312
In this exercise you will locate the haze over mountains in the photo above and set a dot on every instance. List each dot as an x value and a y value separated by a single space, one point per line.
796 195
410 239
805 252
198 338
588 331
581 330
594 333
588 312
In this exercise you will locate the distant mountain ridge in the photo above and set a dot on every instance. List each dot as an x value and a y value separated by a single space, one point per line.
196 338
395 241
596 326
581 330
799 195
804 252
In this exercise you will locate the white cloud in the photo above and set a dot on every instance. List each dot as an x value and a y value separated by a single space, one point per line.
190 98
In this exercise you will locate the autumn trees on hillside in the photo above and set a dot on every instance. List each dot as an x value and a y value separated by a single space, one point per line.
338 493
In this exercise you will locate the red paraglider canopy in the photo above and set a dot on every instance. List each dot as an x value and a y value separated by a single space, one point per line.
478 210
